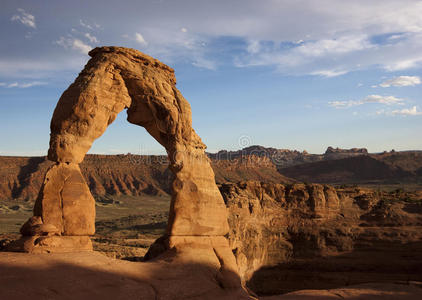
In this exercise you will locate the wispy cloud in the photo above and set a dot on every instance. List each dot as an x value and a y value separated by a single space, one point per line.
404 64
253 47
341 54
22 85
89 26
328 73
24 18
407 112
334 38
73 43
83 24
401 81
343 44
39 69
413 111
387 100
81 46
202 62
91 38
173 45
140 39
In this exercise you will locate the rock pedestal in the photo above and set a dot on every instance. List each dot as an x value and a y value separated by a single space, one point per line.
64 213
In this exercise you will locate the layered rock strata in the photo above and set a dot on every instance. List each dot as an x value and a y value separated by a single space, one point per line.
307 236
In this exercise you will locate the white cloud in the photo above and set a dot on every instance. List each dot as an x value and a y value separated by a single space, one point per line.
91 38
344 44
335 57
401 81
81 46
333 37
344 104
84 24
74 43
64 42
407 112
285 20
201 62
25 18
403 64
253 46
140 39
40 68
172 45
328 73
92 26
387 100
22 85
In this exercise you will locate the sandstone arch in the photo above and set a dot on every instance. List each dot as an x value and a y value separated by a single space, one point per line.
115 79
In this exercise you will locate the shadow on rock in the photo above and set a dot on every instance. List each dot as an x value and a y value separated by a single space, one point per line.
386 262
89 275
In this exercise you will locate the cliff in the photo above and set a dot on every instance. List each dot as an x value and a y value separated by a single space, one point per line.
289 237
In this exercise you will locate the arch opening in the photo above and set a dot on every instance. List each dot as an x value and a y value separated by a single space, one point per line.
131 190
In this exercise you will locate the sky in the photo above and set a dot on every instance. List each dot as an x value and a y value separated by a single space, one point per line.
287 74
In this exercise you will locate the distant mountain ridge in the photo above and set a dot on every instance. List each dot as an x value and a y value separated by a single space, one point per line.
129 174
124 174
408 160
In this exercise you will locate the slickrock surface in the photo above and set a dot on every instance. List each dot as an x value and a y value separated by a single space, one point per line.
90 275
369 291
292 237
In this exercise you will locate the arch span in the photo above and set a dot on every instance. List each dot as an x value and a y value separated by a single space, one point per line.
115 79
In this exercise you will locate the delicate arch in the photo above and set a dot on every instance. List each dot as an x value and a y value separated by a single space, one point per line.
64 214
114 79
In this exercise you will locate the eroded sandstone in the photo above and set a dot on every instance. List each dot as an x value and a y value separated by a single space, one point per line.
308 236
64 214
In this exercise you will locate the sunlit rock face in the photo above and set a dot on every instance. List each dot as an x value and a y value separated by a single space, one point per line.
113 80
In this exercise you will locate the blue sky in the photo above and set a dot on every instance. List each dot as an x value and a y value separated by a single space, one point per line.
299 75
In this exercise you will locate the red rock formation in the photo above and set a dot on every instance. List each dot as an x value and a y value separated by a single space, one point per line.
113 80
283 234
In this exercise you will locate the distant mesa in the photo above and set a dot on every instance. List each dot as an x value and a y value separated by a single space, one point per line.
135 175
331 150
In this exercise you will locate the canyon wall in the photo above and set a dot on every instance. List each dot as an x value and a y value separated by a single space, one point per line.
297 236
